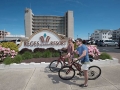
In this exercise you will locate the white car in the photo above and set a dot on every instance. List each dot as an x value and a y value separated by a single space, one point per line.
17 41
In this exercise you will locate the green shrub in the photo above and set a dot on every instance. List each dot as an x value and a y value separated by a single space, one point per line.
8 61
17 59
10 45
27 55
104 56
55 54
24 50
47 54
37 55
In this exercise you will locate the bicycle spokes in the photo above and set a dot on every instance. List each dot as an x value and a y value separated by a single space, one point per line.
55 66
66 73
94 72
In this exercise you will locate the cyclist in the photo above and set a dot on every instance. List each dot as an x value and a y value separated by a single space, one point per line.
84 58
70 51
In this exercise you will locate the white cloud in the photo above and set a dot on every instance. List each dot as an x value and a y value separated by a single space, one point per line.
76 1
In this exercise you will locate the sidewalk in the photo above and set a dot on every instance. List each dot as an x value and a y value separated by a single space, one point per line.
43 79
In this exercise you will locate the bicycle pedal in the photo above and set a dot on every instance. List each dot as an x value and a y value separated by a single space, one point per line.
79 74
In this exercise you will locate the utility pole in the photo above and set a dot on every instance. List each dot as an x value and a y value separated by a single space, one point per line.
4 34
88 35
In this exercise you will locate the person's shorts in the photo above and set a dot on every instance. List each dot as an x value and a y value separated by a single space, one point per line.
85 66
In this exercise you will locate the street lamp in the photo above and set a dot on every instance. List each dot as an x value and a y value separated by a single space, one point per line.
88 35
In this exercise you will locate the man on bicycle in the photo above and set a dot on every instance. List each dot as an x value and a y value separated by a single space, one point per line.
84 58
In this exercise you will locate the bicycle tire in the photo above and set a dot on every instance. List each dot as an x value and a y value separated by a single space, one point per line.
53 68
94 72
68 68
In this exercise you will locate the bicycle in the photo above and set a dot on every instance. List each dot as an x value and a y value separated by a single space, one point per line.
68 72
55 65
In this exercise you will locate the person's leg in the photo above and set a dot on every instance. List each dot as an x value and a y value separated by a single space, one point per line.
69 60
85 76
65 57
85 71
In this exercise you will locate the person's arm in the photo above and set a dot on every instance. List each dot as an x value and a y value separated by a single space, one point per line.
72 48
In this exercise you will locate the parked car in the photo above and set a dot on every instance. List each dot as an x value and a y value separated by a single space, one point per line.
17 41
99 42
96 42
108 43
119 43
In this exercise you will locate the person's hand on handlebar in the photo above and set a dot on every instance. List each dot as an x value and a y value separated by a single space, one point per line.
75 59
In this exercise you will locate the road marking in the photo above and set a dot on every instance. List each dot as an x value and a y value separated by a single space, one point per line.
105 50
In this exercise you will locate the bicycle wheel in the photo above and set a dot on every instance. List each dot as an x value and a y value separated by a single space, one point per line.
94 72
66 73
54 67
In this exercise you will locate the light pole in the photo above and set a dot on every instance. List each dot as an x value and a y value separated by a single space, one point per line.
88 35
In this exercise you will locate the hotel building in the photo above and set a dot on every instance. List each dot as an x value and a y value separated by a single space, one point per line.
63 25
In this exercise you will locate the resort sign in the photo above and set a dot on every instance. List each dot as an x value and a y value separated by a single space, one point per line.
43 39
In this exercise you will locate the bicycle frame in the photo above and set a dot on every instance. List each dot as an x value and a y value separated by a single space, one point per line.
77 66
61 59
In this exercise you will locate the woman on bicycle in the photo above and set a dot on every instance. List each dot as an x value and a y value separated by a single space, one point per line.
70 51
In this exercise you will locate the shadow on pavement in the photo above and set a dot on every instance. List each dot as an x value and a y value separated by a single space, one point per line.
117 48
56 79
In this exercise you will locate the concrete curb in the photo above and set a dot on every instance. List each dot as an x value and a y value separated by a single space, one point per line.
105 62
98 62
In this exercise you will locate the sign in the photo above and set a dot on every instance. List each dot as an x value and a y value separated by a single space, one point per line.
44 39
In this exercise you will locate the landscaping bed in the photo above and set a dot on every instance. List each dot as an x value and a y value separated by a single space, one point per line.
11 55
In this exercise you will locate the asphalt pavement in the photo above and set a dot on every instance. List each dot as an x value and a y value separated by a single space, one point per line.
43 79
109 49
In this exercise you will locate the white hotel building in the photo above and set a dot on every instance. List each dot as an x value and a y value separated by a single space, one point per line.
102 35
116 34
63 25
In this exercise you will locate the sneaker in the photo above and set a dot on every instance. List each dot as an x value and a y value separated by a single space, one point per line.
83 85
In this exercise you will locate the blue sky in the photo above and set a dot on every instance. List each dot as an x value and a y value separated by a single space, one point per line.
89 15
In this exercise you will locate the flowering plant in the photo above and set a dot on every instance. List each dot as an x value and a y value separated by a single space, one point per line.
93 51
6 52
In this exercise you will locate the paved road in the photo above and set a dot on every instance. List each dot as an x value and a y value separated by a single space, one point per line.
109 49
113 51
43 79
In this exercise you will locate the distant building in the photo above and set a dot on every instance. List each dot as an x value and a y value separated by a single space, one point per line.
63 25
13 37
102 35
3 34
116 34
